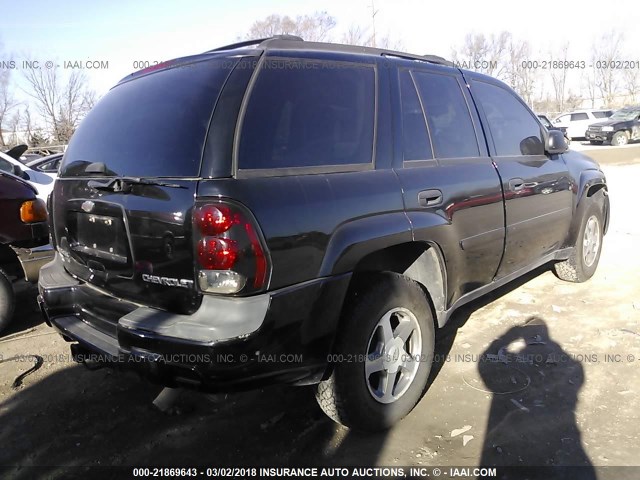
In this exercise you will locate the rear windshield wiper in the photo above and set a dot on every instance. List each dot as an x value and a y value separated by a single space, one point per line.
125 184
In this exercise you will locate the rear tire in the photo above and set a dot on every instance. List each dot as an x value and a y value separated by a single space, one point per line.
386 327
7 300
582 263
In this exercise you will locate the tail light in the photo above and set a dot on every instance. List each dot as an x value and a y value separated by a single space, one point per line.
230 253
33 211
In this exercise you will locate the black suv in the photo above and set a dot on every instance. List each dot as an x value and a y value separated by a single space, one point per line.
306 213
618 129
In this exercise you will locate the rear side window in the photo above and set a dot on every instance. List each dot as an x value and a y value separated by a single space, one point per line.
514 129
152 126
576 117
414 129
601 114
450 124
309 113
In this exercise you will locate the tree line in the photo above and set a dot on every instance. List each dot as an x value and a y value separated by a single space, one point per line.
549 81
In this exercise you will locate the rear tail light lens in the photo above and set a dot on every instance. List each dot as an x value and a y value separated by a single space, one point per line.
33 211
229 249
214 220
217 253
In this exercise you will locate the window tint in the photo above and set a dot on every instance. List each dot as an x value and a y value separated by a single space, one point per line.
513 128
306 113
601 114
154 125
448 116
414 129
579 116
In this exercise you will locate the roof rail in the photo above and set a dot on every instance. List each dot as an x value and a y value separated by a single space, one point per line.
424 58
258 41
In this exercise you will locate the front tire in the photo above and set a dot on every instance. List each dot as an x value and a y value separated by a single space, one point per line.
7 300
583 262
620 138
383 355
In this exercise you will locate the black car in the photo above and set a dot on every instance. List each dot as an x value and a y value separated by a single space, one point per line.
618 129
546 123
329 208
24 238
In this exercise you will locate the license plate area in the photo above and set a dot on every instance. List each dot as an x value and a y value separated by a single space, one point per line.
101 236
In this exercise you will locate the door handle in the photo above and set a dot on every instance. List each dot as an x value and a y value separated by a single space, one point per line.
429 198
516 184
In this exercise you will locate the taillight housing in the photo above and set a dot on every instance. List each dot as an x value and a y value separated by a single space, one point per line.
230 253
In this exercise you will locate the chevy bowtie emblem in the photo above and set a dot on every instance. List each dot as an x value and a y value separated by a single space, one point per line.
87 206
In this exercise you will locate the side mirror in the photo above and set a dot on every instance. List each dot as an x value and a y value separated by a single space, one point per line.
17 171
555 142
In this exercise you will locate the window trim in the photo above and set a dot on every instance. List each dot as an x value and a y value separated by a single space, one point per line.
436 159
238 172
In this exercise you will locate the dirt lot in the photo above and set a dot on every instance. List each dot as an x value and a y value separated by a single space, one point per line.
569 398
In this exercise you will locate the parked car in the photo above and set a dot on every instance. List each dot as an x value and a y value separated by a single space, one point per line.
339 204
619 129
577 122
24 238
546 123
29 157
41 181
48 164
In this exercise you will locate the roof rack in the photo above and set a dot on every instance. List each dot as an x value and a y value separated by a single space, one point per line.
257 41
273 41
423 58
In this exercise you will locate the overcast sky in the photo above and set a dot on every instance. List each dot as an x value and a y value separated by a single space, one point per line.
122 32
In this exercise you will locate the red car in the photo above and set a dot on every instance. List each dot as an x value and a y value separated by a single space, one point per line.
24 239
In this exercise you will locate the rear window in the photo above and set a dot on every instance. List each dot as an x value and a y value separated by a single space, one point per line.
309 113
153 126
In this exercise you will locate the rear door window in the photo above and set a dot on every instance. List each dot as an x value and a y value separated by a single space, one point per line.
152 126
513 127
414 128
576 117
448 117
309 113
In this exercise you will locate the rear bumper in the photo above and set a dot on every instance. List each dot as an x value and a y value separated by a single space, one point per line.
282 336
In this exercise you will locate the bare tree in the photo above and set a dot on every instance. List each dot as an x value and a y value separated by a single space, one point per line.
605 51
313 28
357 35
631 79
521 78
7 102
559 77
61 104
484 54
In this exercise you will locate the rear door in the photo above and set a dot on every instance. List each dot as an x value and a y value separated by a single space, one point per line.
451 188
537 187
123 203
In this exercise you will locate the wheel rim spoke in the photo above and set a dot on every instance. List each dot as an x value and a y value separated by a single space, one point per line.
375 364
387 383
404 330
